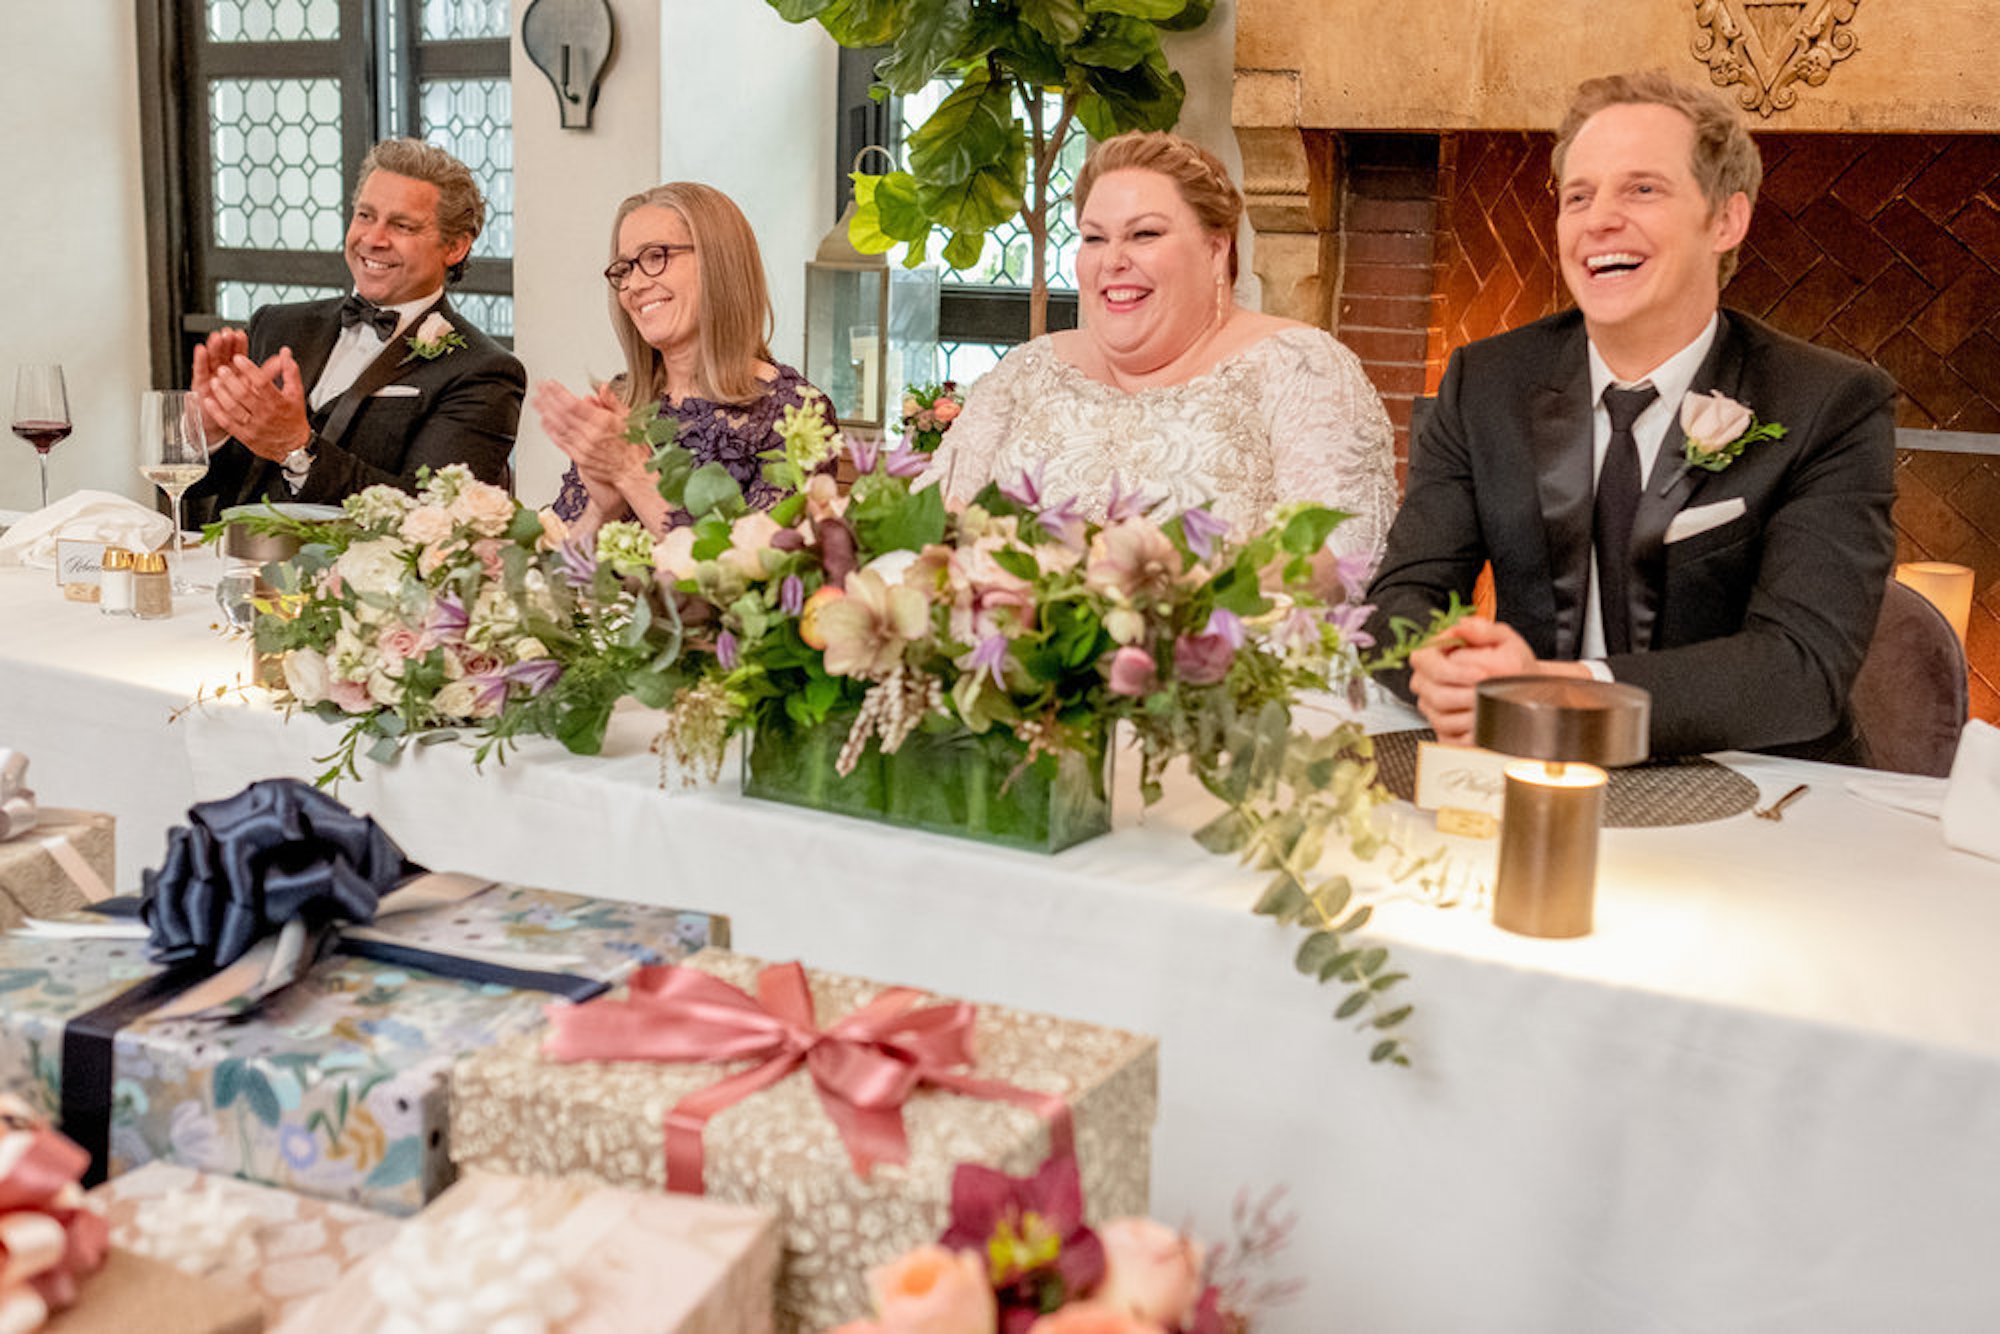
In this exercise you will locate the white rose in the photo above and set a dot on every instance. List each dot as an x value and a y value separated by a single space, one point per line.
305 675
434 327
485 509
456 699
1711 421
527 648
890 566
554 531
373 567
383 688
426 524
673 555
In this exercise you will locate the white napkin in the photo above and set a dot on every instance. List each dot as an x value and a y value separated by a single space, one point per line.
1967 804
91 516
1972 802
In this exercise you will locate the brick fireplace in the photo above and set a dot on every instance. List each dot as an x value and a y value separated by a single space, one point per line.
1410 237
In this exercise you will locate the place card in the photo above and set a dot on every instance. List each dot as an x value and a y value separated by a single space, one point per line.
79 568
1461 780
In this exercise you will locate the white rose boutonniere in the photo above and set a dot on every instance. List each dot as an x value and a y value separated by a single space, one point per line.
1718 429
434 338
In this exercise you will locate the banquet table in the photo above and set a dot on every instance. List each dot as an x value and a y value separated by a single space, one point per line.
1764 1094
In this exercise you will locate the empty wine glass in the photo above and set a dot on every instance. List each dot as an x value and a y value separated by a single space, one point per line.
41 413
173 453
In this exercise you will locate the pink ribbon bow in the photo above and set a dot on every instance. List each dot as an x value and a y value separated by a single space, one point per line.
50 1237
865 1065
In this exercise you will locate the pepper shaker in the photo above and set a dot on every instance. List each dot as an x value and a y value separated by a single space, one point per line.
152 590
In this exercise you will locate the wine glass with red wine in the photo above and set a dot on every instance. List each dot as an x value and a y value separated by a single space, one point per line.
41 413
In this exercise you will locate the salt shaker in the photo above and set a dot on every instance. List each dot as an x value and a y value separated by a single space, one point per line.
152 590
114 588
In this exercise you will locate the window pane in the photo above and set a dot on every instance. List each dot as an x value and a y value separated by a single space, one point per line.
473 119
1006 260
493 314
966 362
448 20
235 301
273 20
275 145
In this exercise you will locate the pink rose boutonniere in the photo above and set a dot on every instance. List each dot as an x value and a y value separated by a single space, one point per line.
434 338
1718 429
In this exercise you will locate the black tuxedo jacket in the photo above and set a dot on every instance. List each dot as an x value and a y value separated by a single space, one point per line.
402 414
1753 629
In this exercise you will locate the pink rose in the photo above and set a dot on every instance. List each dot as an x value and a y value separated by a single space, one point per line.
1150 1271
1202 660
488 551
351 696
934 1291
945 410
1711 421
425 525
1133 672
749 538
673 555
1091 1318
910 405
399 642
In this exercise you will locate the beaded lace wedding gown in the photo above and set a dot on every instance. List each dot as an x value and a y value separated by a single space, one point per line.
1291 417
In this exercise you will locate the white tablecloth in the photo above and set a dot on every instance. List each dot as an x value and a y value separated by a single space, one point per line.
1765 1094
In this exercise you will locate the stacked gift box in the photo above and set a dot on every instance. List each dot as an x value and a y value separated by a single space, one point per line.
58 864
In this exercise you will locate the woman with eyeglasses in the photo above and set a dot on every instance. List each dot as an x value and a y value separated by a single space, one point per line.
693 315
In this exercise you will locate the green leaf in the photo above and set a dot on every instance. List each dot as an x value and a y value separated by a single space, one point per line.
1060 21
384 750
972 131
895 520
1153 11
709 488
1146 97
654 690
1117 43
1227 833
931 35
1352 1005
1192 15
964 249
581 727
798 11
1388 1050
259 1097
1315 950
982 200
1340 966
1355 921
228 1081
1282 899
859 23
1307 531
901 217
1394 1017
527 524
1382 982
787 511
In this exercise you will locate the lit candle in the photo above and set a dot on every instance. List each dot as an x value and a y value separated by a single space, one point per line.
1946 586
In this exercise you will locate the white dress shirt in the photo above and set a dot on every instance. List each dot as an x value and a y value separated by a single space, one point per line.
1672 378
354 351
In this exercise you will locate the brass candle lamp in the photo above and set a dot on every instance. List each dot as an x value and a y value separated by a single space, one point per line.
1565 733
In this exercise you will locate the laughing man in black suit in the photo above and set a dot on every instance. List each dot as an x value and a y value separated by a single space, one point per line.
322 399
1741 597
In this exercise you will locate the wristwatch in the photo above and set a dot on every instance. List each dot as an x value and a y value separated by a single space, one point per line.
299 462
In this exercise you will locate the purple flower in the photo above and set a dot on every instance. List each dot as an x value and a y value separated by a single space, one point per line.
1349 618
905 462
792 595
537 674
988 656
1228 625
447 620
579 566
1201 529
1354 571
863 452
1202 660
1133 672
1064 522
489 691
1125 504
725 651
1026 491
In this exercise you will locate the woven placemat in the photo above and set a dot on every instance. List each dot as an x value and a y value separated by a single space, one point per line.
1689 790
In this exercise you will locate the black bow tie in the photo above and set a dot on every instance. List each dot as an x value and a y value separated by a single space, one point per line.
360 310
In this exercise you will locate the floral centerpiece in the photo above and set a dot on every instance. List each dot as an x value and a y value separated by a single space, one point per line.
1018 1258
928 412
457 610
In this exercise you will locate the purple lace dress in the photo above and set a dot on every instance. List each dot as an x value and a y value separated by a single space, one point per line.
727 433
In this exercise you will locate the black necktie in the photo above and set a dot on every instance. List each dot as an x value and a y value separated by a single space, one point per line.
1617 501
360 310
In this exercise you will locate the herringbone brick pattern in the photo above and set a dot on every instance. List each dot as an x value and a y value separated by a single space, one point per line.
1496 245
1948 508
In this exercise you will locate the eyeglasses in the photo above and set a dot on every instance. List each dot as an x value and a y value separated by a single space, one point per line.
652 260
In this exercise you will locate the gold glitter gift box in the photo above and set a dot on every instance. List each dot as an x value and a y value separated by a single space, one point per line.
47 871
515 1111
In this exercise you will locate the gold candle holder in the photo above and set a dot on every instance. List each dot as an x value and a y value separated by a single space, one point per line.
1565 732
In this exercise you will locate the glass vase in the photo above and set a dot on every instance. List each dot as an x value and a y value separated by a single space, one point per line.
942 779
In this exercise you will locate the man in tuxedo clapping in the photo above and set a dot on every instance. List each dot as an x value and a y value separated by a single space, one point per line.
321 399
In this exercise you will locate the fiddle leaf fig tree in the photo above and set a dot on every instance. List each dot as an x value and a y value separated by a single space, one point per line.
976 164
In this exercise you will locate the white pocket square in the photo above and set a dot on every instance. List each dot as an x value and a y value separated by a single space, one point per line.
1701 518
397 391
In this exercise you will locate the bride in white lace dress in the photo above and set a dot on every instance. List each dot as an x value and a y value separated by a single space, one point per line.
1170 389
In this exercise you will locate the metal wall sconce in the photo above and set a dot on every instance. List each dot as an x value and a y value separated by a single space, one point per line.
570 41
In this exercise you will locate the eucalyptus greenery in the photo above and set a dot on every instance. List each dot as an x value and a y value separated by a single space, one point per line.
969 164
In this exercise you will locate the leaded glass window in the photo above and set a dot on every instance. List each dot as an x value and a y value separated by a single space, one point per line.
473 120
457 20
275 146
273 20
236 301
